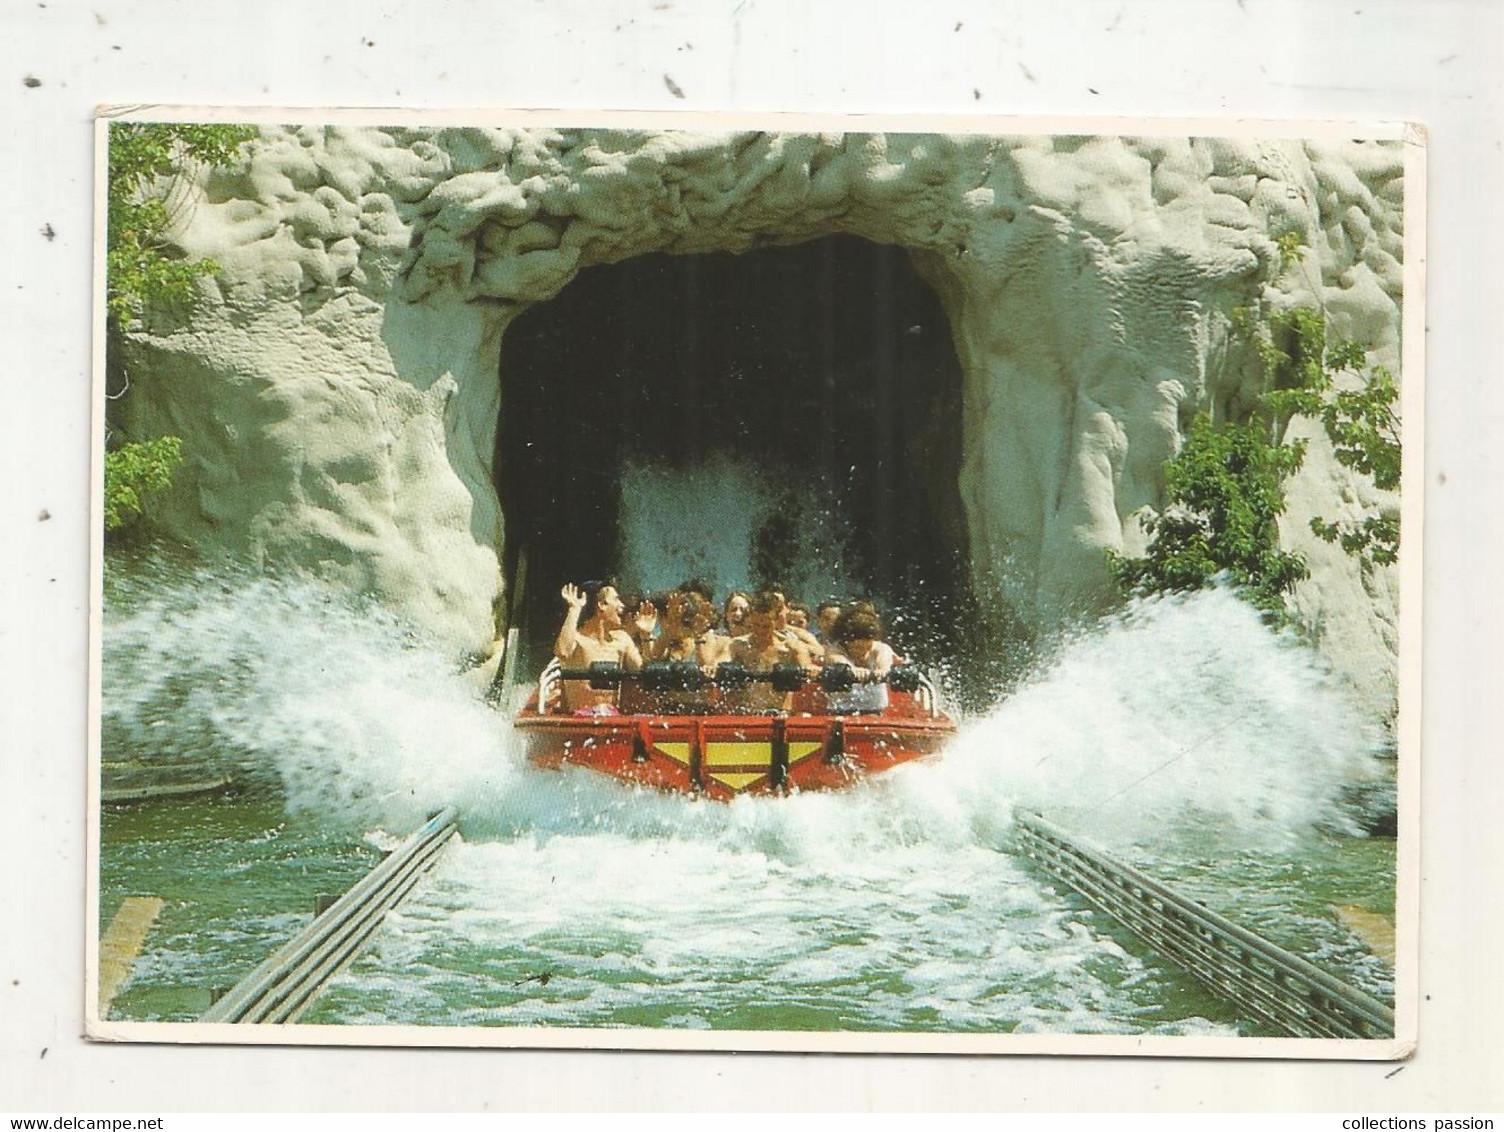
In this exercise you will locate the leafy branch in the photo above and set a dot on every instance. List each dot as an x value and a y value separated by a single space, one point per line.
152 168
1310 376
1225 494
1225 489
133 472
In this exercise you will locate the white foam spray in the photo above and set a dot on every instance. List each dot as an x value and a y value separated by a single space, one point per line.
680 523
703 521
1184 723
1183 717
1184 720
364 722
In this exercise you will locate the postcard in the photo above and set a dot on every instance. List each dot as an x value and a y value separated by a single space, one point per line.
735 582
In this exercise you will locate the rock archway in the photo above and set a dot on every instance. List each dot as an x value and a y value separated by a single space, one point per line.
337 388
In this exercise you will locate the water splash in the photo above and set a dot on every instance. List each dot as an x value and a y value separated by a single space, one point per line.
1184 723
679 523
1184 718
361 721
716 521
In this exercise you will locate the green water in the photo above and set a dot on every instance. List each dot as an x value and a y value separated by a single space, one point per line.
1186 739
237 877
1292 901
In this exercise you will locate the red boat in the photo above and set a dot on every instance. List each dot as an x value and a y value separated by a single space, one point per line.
654 738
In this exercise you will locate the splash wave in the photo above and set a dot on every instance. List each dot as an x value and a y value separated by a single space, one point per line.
1181 718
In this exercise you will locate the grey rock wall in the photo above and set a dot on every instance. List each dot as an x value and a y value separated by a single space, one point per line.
338 392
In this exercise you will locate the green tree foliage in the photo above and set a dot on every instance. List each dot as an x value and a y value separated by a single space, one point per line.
1225 488
1225 491
1324 381
132 473
149 183
148 186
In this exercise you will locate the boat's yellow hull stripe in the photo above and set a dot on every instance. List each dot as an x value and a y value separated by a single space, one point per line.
740 755
736 781
679 752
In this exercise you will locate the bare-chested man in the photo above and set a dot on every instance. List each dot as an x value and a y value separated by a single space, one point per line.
763 647
710 647
592 631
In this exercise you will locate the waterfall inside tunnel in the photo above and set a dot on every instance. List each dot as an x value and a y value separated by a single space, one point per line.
788 414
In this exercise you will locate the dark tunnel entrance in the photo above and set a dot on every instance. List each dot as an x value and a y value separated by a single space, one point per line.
789 414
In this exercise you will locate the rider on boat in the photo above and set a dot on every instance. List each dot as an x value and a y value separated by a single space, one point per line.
593 631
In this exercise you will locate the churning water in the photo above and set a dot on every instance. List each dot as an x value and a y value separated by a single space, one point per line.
1184 734
715 520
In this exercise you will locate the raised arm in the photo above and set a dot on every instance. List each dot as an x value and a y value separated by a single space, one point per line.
569 633
641 629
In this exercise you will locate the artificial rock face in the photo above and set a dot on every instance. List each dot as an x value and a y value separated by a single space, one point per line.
338 392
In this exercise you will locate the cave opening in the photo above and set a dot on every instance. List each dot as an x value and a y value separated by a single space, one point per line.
787 414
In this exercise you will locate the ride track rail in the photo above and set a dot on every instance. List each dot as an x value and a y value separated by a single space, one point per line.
286 983
1265 980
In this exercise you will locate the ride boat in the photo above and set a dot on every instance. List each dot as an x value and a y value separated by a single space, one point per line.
674 728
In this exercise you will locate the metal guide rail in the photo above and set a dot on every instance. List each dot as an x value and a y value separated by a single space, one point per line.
1266 980
283 986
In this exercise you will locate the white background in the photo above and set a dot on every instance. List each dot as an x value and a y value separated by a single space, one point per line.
1438 63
